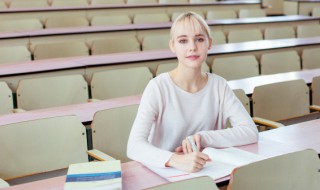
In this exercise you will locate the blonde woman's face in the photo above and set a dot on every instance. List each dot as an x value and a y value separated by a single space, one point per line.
190 44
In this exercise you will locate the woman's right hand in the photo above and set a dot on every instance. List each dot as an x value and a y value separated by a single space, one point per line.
191 162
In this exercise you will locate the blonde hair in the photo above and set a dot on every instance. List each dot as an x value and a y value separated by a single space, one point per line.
198 23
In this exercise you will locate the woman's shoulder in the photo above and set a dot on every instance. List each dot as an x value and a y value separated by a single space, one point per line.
216 78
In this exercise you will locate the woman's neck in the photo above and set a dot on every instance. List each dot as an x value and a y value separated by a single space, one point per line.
189 79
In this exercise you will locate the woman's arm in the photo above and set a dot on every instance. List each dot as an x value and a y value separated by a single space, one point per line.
243 130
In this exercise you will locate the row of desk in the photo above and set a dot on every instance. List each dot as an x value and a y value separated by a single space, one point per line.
271 143
126 9
224 25
12 73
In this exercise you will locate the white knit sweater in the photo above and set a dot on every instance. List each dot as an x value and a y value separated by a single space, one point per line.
168 114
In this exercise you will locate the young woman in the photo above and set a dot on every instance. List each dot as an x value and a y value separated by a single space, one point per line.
187 102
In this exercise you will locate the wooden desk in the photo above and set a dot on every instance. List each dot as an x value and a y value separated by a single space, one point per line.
248 84
271 143
125 9
84 111
301 7
12 73
224 25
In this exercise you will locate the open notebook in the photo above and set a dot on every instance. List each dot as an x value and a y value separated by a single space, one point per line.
222 164
103 175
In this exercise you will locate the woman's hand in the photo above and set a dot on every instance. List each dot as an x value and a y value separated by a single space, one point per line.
186 146
191 162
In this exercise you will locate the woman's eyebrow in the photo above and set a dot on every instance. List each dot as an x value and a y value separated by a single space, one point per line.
183 36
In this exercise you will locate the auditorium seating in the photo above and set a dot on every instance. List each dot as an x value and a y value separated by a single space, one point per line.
310 58
315 89
280 172
111 129
173 1
316 12
203 183
251 13
64 21
236 67
110 84
69 3
60 50
115 45
147 18
45 92
43 145
110 20
21 54
6 100
141 1
221 14
280 62
280 101
20 25
279 33
218 37
244 35
304 31
28 4
155 42
107 2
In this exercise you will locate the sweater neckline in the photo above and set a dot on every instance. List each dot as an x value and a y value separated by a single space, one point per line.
186 92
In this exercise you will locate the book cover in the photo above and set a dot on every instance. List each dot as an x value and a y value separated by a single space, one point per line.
94 176
222 164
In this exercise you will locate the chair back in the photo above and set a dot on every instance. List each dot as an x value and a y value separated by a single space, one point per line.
306 30
251 13
244 35
283 100
294 171
155 42
218 37
60 50
316 90
41 145
110 20
310 58
115 45
238 67
65 21
221 14
280 62
279 33
21 53
119 82
6 100
45 92
203 183
148 18
111 129
20 25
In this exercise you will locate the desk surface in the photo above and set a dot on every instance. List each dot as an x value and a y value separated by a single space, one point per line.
248 84
29 67
128 6
134 27
84 111
271 143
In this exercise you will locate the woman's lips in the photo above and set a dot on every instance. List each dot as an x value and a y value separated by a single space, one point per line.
193 57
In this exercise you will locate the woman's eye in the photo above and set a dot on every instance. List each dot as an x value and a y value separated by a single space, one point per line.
182 41
200 40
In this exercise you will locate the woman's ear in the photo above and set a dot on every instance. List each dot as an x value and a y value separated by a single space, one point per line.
210 43
171 46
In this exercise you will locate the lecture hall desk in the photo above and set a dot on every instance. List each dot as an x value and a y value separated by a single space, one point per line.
271 143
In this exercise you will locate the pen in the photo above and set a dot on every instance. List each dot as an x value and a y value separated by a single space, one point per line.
193 145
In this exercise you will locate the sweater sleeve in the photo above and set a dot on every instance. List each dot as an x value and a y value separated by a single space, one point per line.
243 130
139 148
